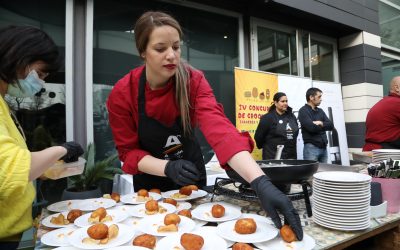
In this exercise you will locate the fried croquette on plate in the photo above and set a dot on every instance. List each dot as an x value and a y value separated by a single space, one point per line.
145 240
217 211
245 226
192 241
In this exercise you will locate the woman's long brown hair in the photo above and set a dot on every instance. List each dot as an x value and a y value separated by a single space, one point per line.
143 28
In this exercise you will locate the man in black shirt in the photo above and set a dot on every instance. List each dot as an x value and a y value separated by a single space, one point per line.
314 124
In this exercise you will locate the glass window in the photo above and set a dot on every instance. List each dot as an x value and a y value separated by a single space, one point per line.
395 2
390 69
389 20
320 57
214 51
276 51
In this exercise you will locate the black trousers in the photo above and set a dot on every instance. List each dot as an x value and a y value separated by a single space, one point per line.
9 245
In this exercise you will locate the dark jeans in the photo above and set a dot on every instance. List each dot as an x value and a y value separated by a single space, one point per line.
314 153
9 245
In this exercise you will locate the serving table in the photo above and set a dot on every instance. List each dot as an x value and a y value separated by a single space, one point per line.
387 228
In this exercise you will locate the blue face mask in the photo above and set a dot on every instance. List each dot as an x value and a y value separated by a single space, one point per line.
31 85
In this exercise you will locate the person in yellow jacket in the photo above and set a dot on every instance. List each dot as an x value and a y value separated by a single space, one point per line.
27 56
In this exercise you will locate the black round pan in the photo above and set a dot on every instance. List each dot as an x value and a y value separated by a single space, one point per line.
293 171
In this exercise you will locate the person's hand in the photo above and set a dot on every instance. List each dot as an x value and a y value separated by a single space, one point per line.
273 200
182 172
318 123
74 150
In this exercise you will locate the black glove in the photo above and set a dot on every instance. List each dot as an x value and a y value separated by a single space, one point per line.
74 150
182 172
273 200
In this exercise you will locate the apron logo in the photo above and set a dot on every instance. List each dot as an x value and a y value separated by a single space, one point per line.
172 141
172 145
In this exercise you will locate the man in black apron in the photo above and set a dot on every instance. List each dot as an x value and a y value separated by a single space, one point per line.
168 143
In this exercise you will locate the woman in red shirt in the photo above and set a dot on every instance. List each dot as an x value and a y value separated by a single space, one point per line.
153 110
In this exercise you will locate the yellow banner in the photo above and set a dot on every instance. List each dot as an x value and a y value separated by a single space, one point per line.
254 91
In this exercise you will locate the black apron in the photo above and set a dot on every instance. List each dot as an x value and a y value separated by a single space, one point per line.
166 143
285 133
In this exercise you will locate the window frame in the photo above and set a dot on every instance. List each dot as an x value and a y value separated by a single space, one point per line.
257 22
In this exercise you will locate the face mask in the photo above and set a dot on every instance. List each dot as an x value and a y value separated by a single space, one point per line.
31 85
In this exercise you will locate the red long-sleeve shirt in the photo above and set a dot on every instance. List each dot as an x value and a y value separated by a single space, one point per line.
383 122
122 105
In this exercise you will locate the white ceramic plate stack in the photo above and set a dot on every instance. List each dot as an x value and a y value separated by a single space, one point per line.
379 155
341 200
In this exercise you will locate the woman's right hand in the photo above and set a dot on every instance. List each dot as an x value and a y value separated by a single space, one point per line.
74 150
182 172
273 200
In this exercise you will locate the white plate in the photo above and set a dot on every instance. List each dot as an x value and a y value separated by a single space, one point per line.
140 210
342 220
359 186
93 204
340 211
199 223
212 230
211 241
342 177
58 237
66 248
116 215
342 223
183 205
132 222
341 207
336 189
46 221
339 196
383 150
61 206
195 194
203 212
259 218
130 248
150 224
131 198
363 201
340 227
263 232
345 191
328 224
125 234
307 243
180 205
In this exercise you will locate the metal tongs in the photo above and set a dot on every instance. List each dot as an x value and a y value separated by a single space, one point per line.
385 169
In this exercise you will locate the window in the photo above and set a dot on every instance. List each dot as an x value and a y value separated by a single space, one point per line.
390 69
320 57
284 50
274 48
389 20
276 51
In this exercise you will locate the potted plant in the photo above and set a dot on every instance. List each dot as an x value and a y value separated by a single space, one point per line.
86 185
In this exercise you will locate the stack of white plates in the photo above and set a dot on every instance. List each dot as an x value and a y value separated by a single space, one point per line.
341 200
379 155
